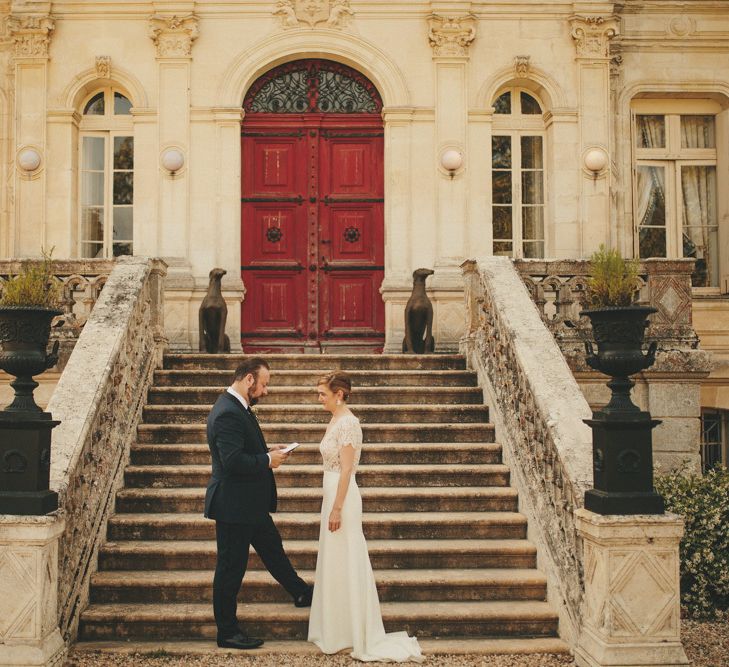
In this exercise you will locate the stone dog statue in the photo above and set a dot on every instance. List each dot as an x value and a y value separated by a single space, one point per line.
212 316
419 317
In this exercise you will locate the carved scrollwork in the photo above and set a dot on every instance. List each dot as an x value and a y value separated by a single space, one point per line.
173 35
31 35
313 13
451 35
522 66
103 67
592 35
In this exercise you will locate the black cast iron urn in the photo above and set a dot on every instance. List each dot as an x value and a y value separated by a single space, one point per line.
621 432
25 430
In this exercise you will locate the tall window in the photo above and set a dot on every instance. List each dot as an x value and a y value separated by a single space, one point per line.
675 199
517 175
106 176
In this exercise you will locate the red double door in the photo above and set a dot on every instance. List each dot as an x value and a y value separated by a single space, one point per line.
312 232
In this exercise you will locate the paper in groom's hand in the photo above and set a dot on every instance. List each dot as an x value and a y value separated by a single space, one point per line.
291 447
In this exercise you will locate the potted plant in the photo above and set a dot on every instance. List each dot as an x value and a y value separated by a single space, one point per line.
618 323
28 304
622 450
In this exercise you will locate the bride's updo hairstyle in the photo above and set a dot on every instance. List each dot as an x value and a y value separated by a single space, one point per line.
335 381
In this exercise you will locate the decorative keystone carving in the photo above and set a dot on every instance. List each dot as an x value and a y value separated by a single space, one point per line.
103 67
31 35
311 13
592 35
451 35
173 35
521 66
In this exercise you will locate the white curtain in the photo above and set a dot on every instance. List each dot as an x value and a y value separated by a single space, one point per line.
699 201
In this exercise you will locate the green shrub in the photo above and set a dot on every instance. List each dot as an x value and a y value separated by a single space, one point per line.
35 285
613 280
703 502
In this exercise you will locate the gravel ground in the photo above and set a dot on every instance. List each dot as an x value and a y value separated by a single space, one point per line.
707 645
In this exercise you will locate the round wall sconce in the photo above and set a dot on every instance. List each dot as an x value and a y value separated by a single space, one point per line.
451 160
173 159
596 159
29 159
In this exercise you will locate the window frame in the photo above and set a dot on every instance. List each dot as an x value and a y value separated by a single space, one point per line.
517 125
107 126
673 157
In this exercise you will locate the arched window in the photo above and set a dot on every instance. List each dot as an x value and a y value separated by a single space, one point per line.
106 183
517 175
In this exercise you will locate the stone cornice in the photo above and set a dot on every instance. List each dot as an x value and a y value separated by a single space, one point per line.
450 36
592 35
30 34
173 35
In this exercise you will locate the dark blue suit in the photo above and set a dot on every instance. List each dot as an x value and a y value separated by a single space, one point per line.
240 496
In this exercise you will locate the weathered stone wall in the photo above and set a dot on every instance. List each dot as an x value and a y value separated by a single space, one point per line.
538 409
98 401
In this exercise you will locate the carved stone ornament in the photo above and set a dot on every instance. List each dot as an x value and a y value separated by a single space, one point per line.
173 35
592 35
451 35
103 67
31 35
521 66
313 13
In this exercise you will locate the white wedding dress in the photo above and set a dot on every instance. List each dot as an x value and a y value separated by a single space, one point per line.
345 610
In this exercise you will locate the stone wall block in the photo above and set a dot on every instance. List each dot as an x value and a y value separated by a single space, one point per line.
632 590
674 399
29 633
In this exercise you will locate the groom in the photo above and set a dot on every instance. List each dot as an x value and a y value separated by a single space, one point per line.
240 495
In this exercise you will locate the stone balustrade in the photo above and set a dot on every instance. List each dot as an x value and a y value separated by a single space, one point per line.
98 400
81 283
671 388
537 408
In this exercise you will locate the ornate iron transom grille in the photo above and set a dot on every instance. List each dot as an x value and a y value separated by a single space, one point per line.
313 86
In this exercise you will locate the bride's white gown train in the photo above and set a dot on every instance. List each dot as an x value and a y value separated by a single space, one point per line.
345 610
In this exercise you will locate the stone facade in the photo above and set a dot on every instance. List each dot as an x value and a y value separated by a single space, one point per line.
438 66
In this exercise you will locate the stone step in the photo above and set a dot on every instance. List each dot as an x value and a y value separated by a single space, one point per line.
290 474
281 620
287 650
441 433
305 526
320 363
278 394
161 586
384 554
309 379
296 499
315 414
388 453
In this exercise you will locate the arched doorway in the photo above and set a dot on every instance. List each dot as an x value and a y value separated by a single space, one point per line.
312 237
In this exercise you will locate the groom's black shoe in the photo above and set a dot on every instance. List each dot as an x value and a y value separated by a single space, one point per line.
304 600
240 641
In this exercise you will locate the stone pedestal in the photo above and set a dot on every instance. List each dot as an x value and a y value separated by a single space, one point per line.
29 633
632 598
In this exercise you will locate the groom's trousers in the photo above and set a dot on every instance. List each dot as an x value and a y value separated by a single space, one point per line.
234 540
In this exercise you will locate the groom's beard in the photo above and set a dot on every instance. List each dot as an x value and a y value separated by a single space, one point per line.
252 400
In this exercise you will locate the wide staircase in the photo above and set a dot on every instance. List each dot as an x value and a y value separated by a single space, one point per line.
446 539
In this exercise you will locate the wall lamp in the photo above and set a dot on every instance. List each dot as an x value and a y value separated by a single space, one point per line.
451 160
29 159
173 159
595 160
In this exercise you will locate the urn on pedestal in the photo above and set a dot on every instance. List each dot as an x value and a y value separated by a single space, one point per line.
27 307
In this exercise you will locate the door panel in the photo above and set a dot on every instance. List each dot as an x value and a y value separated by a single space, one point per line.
312 231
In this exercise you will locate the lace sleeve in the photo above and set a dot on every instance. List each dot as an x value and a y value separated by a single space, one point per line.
350 433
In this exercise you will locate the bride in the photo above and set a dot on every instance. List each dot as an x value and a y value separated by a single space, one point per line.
345 610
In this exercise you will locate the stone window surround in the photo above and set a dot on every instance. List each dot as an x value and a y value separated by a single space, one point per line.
666 104
108 125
